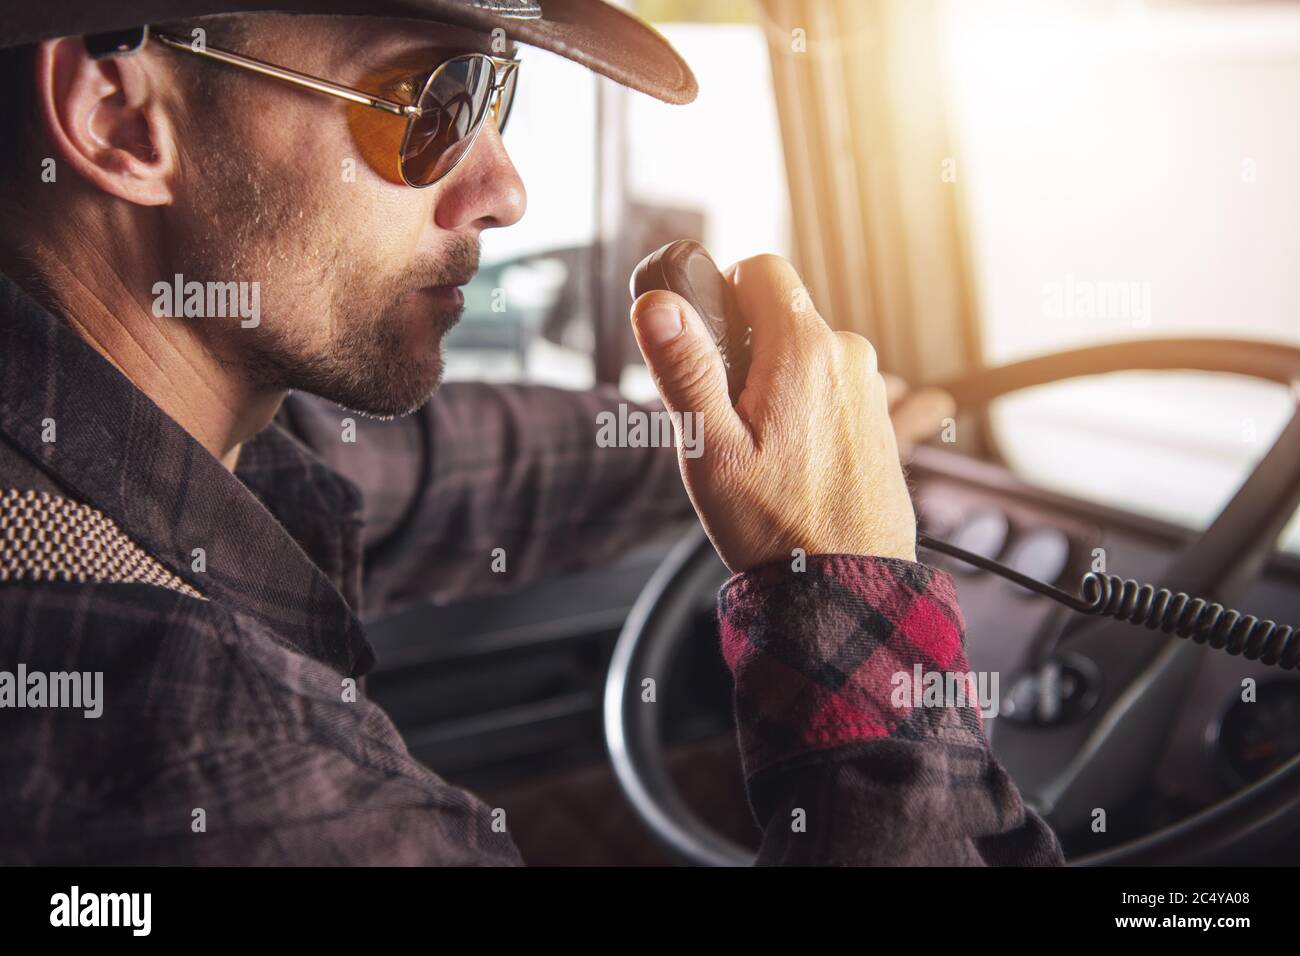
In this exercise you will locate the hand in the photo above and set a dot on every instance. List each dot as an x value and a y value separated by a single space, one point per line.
807 458
916 415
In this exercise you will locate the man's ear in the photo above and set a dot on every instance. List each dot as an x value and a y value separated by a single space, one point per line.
106 120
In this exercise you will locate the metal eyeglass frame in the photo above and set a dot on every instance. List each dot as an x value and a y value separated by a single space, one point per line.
501 73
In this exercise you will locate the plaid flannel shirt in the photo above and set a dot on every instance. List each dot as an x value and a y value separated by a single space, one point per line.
222 611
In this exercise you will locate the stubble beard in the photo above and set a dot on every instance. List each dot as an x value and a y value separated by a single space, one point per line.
369 360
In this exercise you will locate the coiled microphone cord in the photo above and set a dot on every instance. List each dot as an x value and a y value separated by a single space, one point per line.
1157 609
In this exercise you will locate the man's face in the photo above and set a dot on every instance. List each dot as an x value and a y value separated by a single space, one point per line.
300 192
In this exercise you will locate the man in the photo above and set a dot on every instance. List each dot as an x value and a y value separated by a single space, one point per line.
283 203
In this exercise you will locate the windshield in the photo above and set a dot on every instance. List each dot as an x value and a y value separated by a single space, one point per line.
1129 171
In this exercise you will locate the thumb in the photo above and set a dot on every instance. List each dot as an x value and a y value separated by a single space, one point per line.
685 362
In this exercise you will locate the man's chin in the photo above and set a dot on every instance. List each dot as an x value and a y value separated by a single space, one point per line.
380 388
396 400
381 369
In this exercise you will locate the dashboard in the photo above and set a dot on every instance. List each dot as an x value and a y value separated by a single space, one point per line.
1237 720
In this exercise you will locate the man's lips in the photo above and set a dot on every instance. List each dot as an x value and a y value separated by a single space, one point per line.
447 296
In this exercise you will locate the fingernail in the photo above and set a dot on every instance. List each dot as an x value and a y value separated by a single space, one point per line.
659 324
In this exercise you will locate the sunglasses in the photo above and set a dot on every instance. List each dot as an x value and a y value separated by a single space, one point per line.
441 125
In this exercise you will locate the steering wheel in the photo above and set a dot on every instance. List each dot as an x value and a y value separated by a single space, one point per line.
1094 761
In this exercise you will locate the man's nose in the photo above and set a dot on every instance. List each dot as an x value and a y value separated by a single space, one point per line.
484 191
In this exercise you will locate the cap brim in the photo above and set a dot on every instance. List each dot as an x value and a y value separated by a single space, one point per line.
597 35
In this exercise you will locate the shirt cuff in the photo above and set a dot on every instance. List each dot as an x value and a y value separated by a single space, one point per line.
831 654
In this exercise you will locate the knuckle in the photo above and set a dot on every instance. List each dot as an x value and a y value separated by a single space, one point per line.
764 271
766 262
871 359
860 350
875 392
820 347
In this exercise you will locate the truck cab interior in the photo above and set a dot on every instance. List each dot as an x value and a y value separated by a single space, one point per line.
1076 216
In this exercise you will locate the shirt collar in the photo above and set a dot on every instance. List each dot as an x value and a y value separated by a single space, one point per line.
112 448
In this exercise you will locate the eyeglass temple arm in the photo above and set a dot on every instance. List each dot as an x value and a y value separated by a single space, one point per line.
304 80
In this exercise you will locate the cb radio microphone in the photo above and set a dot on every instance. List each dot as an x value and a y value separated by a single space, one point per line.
684 267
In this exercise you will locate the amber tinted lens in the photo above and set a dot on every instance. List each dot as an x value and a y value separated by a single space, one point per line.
453 105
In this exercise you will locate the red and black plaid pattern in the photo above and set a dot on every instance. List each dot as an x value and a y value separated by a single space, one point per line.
826 740
815 652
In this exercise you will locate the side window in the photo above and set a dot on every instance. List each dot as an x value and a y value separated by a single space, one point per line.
713 171
529 311
612 175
